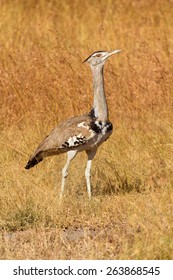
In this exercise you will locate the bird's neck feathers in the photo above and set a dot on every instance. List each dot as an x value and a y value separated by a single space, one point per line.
100 104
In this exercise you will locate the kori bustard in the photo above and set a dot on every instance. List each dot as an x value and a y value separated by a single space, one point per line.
82 133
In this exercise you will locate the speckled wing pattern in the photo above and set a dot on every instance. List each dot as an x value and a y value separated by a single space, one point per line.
78 133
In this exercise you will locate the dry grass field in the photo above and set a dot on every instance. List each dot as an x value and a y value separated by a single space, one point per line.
42 82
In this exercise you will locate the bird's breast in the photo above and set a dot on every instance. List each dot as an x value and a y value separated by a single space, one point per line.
101 132
101 127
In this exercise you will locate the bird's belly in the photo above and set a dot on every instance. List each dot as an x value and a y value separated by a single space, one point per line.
99 138
96 141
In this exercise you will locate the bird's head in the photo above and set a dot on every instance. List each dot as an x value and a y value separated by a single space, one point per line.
99 57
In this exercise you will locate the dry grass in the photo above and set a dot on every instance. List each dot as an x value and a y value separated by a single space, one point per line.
42 45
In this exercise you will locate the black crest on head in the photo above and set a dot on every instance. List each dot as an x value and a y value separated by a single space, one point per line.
97 52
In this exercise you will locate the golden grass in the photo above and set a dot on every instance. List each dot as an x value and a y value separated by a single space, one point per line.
43 81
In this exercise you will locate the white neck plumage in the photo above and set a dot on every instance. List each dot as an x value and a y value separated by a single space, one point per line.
100 103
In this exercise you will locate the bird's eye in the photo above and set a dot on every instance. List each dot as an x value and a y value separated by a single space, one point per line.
98 55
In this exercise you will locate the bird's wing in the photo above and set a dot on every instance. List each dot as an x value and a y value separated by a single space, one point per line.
68 135
78 133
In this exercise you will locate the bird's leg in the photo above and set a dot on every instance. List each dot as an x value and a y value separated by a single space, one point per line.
70 155
91 155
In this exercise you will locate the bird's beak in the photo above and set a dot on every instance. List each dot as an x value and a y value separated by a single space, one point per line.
113 52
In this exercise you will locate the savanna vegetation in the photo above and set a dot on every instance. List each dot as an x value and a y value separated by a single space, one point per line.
42 82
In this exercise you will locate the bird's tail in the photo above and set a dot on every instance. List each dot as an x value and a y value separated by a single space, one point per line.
33 161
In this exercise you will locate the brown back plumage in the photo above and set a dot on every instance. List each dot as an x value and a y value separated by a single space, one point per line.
58 140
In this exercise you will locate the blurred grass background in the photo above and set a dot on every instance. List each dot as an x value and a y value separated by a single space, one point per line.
42 82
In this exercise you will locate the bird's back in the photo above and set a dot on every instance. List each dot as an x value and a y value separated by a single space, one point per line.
78 133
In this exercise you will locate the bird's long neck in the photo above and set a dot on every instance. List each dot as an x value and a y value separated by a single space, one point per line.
100 103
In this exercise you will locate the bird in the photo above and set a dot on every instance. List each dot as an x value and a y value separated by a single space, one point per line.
81 133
